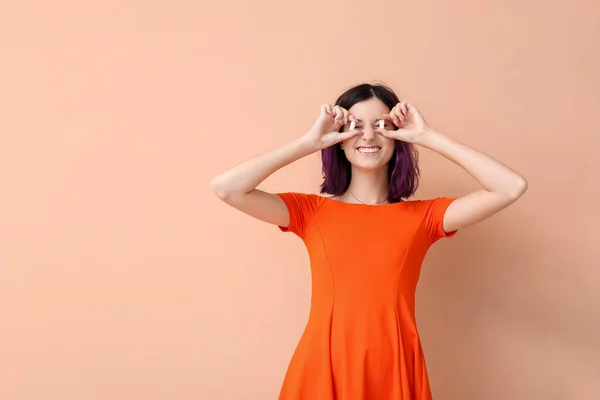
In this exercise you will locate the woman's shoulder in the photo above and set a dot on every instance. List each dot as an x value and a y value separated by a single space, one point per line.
303 196
302 200
433 207
427 201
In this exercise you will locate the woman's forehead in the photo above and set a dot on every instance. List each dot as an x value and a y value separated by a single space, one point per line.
369 110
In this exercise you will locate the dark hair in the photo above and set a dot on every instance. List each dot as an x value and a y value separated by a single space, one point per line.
403 168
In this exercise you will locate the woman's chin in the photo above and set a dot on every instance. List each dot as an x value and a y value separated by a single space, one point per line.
368 165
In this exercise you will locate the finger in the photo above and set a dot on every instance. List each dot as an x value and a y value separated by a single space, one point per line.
395 115
404 109
384 133
408 112
404 105
328 108
349 134
400 116
338 115
386 117
346 115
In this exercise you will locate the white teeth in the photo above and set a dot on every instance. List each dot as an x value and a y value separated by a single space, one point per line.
368 149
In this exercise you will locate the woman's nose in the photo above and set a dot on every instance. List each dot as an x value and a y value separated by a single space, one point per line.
368 133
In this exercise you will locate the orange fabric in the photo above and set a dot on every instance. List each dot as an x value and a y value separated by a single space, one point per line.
361 340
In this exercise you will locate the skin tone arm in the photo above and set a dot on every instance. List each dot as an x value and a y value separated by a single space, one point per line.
237 186
501 186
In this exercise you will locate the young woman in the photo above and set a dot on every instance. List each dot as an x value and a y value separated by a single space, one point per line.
366 240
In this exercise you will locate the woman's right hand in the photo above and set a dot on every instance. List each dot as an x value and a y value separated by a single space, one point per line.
326 130
238 185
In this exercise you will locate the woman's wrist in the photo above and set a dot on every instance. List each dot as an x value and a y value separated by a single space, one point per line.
431 139
305 145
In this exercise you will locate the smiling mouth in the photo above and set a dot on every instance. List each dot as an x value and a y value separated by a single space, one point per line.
368 150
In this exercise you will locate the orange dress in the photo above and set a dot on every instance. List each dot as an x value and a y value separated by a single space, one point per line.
361 340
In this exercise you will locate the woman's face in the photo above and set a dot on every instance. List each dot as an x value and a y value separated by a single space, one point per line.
370 150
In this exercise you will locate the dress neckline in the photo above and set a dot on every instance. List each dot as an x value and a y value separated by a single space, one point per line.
330 199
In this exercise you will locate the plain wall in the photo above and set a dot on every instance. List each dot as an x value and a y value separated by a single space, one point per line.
123 277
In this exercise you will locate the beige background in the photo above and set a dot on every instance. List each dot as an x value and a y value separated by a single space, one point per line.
123 277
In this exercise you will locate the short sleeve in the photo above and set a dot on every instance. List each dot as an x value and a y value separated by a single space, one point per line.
433 220
301 208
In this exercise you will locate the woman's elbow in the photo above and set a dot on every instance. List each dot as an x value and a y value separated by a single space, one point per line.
219 188
519 188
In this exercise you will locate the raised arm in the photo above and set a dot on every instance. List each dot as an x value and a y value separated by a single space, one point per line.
237 186
501 186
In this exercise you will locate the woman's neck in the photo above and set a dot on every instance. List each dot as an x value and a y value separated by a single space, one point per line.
369 187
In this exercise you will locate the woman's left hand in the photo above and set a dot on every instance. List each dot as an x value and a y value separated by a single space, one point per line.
409 121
